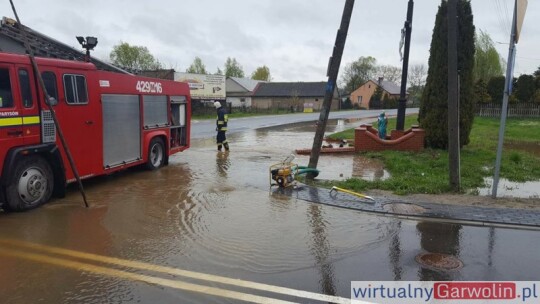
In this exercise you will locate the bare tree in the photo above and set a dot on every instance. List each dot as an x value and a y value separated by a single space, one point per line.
417 75
417 81
389 73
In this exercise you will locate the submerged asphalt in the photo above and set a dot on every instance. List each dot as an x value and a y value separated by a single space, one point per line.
474 215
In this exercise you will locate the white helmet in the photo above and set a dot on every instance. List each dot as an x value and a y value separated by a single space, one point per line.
217 104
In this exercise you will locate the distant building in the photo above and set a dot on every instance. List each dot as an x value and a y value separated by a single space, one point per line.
362 95
161 74
240 90
298 95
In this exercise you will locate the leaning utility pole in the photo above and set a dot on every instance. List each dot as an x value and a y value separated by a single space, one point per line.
453 99
333 70
402 105
519 14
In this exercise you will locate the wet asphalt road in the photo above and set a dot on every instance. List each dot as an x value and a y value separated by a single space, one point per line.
205 128
213 214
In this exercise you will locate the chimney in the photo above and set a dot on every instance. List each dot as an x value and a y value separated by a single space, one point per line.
380 81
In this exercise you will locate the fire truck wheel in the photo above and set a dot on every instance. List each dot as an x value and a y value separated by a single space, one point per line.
31 185
156 154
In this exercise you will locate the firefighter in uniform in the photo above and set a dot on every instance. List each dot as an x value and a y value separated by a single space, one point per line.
221 126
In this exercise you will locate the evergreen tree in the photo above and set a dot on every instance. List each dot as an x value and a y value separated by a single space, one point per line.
346 104
433 114
375 102
525 88
481 92
495 88
537 72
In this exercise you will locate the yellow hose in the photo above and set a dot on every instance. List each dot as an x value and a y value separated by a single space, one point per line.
352 193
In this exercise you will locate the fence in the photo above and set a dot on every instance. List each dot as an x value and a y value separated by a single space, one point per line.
520 110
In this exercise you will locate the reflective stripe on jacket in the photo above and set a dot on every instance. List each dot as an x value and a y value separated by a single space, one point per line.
222 119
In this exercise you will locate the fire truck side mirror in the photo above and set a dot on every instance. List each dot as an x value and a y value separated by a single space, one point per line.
52 101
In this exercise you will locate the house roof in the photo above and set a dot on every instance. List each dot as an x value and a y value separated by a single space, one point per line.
389 86
246 83
288 89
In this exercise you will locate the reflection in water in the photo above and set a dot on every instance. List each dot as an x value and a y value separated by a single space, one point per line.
438 238
491 245
321 250
395 253
222 163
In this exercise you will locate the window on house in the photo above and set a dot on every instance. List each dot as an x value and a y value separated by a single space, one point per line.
6 98
359 99
75 89
26 91
49 78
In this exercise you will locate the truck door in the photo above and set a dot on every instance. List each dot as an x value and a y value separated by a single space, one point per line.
11 134
78 112
29 105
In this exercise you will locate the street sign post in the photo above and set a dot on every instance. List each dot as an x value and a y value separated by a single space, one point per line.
519 14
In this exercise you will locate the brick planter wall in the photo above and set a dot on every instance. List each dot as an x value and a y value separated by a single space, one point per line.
366 138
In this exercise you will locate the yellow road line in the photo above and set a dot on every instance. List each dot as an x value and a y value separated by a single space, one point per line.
139 277
180 272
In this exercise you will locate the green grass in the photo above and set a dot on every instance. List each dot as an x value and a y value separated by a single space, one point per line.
349 133
427 171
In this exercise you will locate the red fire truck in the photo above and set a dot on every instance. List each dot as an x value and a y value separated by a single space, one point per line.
111 121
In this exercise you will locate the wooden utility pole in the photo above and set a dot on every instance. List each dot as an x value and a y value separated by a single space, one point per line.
453 99
333 70
400 125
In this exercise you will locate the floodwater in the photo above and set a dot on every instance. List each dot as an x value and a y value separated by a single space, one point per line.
511 189
530 189
213 213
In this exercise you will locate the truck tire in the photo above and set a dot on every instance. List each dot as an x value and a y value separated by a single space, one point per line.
31 185
156 154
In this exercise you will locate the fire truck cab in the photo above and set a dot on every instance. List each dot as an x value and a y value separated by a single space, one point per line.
110 122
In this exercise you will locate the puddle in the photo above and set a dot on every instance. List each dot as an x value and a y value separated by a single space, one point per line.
369 169
512 189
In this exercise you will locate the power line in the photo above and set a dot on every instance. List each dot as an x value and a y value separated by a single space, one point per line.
501 18
506 12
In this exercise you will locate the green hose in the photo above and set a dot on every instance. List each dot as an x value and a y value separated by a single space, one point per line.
304 170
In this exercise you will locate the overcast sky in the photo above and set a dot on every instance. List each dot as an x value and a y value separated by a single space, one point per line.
294 38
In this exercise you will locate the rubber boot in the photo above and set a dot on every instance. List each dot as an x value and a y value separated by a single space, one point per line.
219 148
226 145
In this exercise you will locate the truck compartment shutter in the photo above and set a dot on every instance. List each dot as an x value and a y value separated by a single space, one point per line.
155 111
121 129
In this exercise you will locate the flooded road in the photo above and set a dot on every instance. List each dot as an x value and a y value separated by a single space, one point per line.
212 213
